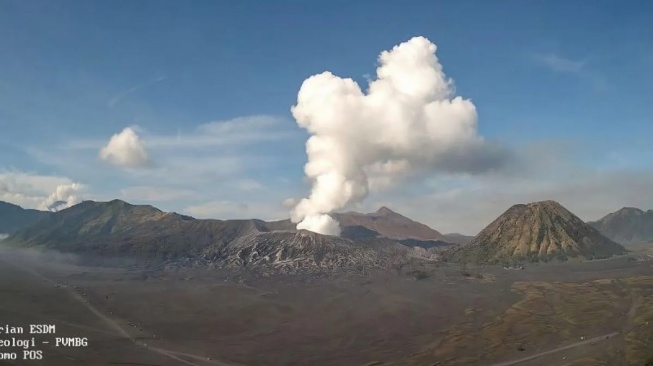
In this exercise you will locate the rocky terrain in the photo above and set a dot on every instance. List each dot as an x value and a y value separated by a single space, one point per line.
385 223
539 231
303 252
562 313
627 226
217 292
119 230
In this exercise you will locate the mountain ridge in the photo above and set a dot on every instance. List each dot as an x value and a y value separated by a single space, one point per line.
384 222
628 225
14 217
117 229
387 223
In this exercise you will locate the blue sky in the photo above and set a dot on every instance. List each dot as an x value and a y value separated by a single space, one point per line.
565 84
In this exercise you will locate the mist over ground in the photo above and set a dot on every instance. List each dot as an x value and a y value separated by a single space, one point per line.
51 257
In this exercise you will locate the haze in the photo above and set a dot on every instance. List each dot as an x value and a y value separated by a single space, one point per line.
286 183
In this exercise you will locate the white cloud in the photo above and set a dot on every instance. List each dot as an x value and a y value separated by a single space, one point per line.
194 171
38 191
154 193
186 169
468 204
125 149
212 152
3 236
237 210
238 131
214 161
248 185
233 132
561 64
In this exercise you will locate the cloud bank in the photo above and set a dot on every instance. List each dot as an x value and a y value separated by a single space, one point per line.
39 191
154 193
239 131
468 204
408 123
236 210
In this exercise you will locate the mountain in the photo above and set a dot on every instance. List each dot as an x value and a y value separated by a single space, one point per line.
14 218
384 223
456 238
627 226
539 231
117 229
388 224
110 228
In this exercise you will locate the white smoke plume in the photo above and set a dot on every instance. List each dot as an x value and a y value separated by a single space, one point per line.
409 122
125 149
289 202
64 196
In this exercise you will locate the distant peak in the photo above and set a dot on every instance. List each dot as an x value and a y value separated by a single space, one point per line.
630 210
118 203
550 206
549 203
8 204
385 211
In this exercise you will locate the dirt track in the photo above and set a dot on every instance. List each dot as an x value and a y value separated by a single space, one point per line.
119 330
631 314
559 349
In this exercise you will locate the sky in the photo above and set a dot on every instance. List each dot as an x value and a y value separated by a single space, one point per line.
186 106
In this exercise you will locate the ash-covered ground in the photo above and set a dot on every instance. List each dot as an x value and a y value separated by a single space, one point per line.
428 314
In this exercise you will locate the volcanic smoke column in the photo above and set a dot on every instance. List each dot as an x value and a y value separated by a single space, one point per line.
408 122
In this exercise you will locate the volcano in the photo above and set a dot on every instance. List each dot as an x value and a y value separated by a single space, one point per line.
539 231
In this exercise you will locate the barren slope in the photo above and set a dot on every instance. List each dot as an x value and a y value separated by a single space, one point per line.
118 230
537 231
628 225
389 224
14 218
